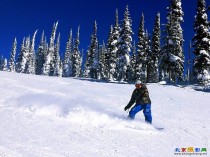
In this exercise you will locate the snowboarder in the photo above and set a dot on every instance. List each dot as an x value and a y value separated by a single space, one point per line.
141 97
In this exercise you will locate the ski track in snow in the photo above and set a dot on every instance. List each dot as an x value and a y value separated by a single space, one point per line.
62 117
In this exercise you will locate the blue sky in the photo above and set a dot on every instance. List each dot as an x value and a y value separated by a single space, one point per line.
19 18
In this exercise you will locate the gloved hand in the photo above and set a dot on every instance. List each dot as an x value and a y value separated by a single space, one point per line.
126 108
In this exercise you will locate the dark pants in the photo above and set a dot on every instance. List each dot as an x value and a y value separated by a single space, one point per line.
146 109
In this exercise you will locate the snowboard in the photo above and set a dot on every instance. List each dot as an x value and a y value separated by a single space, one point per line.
155 126
138 127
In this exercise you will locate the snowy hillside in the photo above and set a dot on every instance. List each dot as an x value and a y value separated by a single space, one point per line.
62 117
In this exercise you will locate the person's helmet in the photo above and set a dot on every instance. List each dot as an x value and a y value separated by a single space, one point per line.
138 82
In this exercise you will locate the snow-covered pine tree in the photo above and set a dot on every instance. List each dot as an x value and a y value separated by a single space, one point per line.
49 67
91 64
61 69
189 62
56 58
141 61
113 49
22 58
116 34
31 56
202 43
76 58
149 57
156 37
86 72
12 56
3 64
96 67
27 49
110 57
46 49
172 58
155 50
41 55
132 71
95 49
81 68
67 63
124 46
102 61
164 54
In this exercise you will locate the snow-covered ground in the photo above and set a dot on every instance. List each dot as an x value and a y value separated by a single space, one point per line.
64 117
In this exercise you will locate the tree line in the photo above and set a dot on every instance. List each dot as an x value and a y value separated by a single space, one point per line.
121 59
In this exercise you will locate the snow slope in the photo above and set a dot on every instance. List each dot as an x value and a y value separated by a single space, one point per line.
63 117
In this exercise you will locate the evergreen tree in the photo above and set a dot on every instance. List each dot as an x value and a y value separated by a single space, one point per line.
95 49
76 58
149 61
22 58
124 46
91 65
41 55
12 56
110 57
102 61
156 38
141 63
67 64
96 67
49 67
155 50
31 56
3 66
61 69
27 50
202 43
116 35
81 68
189 73
172 58
113 49
56 58
132 72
